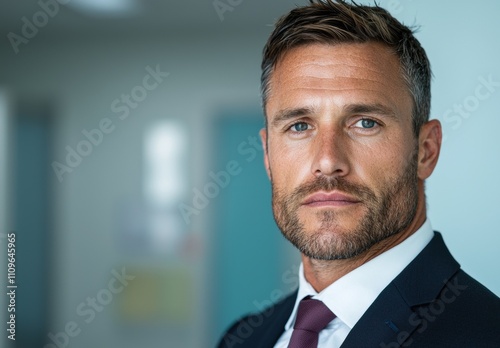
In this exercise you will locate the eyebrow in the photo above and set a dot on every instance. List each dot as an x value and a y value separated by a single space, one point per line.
288 114
378 109
360 108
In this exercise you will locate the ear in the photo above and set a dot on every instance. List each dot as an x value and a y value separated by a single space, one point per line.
429 141
263 138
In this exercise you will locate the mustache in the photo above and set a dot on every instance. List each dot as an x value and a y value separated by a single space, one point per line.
328 184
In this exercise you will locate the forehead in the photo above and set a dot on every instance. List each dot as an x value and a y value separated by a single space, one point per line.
338 74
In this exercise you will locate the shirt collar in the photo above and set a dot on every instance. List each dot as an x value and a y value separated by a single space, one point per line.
351 295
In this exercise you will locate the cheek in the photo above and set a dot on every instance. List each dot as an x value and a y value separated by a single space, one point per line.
289 165
377 166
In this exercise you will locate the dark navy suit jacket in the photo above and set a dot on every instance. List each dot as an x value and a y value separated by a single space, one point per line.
431 303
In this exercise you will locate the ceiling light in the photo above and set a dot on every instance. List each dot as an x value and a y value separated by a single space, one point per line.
105 7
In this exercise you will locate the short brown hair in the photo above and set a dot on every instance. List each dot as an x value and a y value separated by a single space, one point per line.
335 22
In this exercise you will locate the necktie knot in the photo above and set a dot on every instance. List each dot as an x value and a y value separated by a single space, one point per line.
312 317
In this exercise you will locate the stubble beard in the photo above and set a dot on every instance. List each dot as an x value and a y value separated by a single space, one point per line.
385 216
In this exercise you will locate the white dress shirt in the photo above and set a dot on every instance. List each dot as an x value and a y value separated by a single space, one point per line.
350 296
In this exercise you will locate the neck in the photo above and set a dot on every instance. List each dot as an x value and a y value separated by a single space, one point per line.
320 273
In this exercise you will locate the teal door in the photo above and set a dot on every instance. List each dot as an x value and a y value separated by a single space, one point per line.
250 254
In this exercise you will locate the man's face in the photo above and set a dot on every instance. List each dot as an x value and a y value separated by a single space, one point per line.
341 152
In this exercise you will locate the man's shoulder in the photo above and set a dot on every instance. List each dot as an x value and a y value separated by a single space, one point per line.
468 296
251 329
465 314
464 310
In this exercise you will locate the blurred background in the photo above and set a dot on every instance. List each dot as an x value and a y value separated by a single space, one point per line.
131 171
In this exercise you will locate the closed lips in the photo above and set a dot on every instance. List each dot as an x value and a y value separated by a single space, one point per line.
325 198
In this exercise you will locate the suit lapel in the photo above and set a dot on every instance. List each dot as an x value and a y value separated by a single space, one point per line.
386 321
390 320
275 324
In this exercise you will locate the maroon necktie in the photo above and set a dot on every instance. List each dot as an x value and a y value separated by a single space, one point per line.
312 317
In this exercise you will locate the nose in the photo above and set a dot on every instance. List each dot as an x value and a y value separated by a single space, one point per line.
330 151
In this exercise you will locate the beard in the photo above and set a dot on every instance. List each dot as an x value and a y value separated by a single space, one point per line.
386 215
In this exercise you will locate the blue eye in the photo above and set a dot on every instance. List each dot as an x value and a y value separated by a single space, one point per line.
366 123
300 127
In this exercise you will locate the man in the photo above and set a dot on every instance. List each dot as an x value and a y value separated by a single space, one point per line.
348 146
